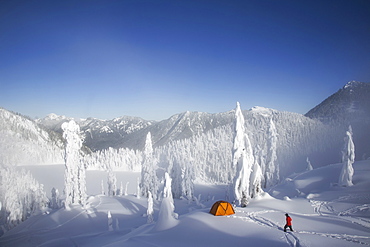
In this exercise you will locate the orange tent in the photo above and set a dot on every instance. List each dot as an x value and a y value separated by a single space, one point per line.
222 208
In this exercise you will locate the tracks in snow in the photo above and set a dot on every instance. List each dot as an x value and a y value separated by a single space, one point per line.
292 237
255 217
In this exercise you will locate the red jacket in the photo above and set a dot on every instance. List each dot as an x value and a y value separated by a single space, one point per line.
288 221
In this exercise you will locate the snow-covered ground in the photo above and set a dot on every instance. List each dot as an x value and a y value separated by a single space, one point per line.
323 214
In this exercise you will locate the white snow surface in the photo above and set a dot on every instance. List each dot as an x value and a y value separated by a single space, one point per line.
323 213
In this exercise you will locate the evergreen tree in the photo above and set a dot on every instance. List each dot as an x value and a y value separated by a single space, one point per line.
272 170
149 181
21 195
150 210
75 178
242 160
55 200
348 158
256 180
187 181
112 183
309 166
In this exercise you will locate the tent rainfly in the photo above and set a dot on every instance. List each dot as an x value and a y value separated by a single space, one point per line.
222 208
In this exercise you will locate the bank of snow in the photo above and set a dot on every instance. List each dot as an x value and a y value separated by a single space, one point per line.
324 214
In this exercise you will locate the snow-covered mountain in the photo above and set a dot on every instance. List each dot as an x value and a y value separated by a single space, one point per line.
100 134
22 141
323 125
349 106
131 131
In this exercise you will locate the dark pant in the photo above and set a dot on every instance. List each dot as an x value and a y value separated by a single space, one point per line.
286 226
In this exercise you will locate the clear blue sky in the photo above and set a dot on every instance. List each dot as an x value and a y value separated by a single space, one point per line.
154 58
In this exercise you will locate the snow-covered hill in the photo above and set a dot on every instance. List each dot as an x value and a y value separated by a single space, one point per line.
323 214
22 141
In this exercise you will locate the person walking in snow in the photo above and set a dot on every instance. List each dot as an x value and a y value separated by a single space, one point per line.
288 223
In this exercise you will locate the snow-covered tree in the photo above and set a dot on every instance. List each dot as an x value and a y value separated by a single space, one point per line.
126 188
55 199
272 170
110 221
121 189
348 158
309 165
149 180
102 187
167 190
74 176
138 189
242 160
187 181
167 217
256 181
175 171
21 196
150 210
112 183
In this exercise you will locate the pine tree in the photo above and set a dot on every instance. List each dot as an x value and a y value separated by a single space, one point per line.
75 178
242 160
149 181
256 180
112 183
348 158
271 173
309 166
150 209
55 200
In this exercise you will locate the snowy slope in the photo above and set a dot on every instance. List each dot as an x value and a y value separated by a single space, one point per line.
323 215
349 106
22 141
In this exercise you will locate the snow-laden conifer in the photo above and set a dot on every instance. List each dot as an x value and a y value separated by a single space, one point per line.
121 189
55 199
102 187
272 170
74 176
110 221
149 181
126 188
348 158
167 217
21 195
112 183
187 180
150 210
309 165
242 159
256 180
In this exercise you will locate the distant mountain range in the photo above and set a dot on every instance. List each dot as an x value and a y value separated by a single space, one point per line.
350 105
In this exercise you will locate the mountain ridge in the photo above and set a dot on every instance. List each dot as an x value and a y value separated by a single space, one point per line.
130 132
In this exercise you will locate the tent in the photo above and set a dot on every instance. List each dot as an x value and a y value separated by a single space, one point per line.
222 208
